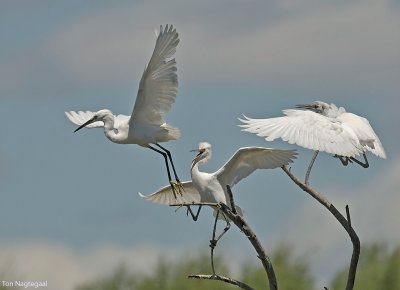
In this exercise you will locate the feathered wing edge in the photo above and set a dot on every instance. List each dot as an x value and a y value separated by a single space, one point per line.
166 196
81 117
331 138
248 159
159 83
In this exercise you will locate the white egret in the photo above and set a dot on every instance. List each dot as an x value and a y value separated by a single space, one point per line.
211 187
322 127
157 92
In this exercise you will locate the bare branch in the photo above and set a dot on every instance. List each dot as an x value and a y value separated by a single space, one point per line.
232 201
245 228
346 224
222 278
214 241
348 215
310 167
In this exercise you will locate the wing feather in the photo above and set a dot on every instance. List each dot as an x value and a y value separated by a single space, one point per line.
366 135
248 159
306 129
165 195
159 83
81 117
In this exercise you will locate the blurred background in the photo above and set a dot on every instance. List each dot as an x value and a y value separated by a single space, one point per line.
71 200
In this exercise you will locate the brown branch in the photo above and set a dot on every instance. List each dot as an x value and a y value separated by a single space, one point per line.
223 279
245 228
310 167
346 224
348 215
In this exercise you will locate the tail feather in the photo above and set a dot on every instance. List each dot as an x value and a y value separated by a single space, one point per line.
173 133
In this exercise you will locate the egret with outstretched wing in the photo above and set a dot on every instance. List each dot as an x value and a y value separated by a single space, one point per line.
211 187
321 127
157 92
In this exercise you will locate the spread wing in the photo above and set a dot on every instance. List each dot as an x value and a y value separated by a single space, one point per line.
365 134
81 117
159 83
166 196
248 159
307 129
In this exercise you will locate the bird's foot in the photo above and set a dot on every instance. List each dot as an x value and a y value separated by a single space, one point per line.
343 159
177 188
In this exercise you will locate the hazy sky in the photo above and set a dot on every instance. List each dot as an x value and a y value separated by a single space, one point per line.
72 198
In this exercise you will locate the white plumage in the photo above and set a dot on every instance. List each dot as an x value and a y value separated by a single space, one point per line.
322 127
157 92
211 187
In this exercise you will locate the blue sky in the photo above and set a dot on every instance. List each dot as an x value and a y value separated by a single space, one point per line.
69 195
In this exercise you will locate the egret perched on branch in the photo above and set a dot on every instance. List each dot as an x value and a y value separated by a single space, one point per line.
211 187
157 92
322 127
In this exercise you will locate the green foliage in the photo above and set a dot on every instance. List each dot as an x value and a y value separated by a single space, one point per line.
119 280
167 276
291 273
378 269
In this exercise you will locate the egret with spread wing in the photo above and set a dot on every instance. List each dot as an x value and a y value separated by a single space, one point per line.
157 92
321 127
211 187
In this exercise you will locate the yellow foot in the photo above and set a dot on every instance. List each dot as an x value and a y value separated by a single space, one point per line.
177 188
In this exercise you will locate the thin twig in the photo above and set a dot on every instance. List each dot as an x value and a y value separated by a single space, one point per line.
231 200
346 224
245 228
348 215
310 167
213 242
222 278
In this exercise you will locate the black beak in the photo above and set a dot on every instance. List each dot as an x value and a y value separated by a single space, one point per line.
305 107
84 125
197 150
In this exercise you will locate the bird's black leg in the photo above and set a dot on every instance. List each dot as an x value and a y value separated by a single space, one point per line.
345 160
194 216
170 160
365 164
166 164
178 184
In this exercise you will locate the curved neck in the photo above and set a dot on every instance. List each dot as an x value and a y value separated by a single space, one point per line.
195 170
109 130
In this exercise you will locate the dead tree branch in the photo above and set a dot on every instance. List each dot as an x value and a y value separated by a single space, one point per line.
310 167
245 228
346 223
223 279
231 214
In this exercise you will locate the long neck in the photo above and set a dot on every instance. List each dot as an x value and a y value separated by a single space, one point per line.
109 130
196 174
195 169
